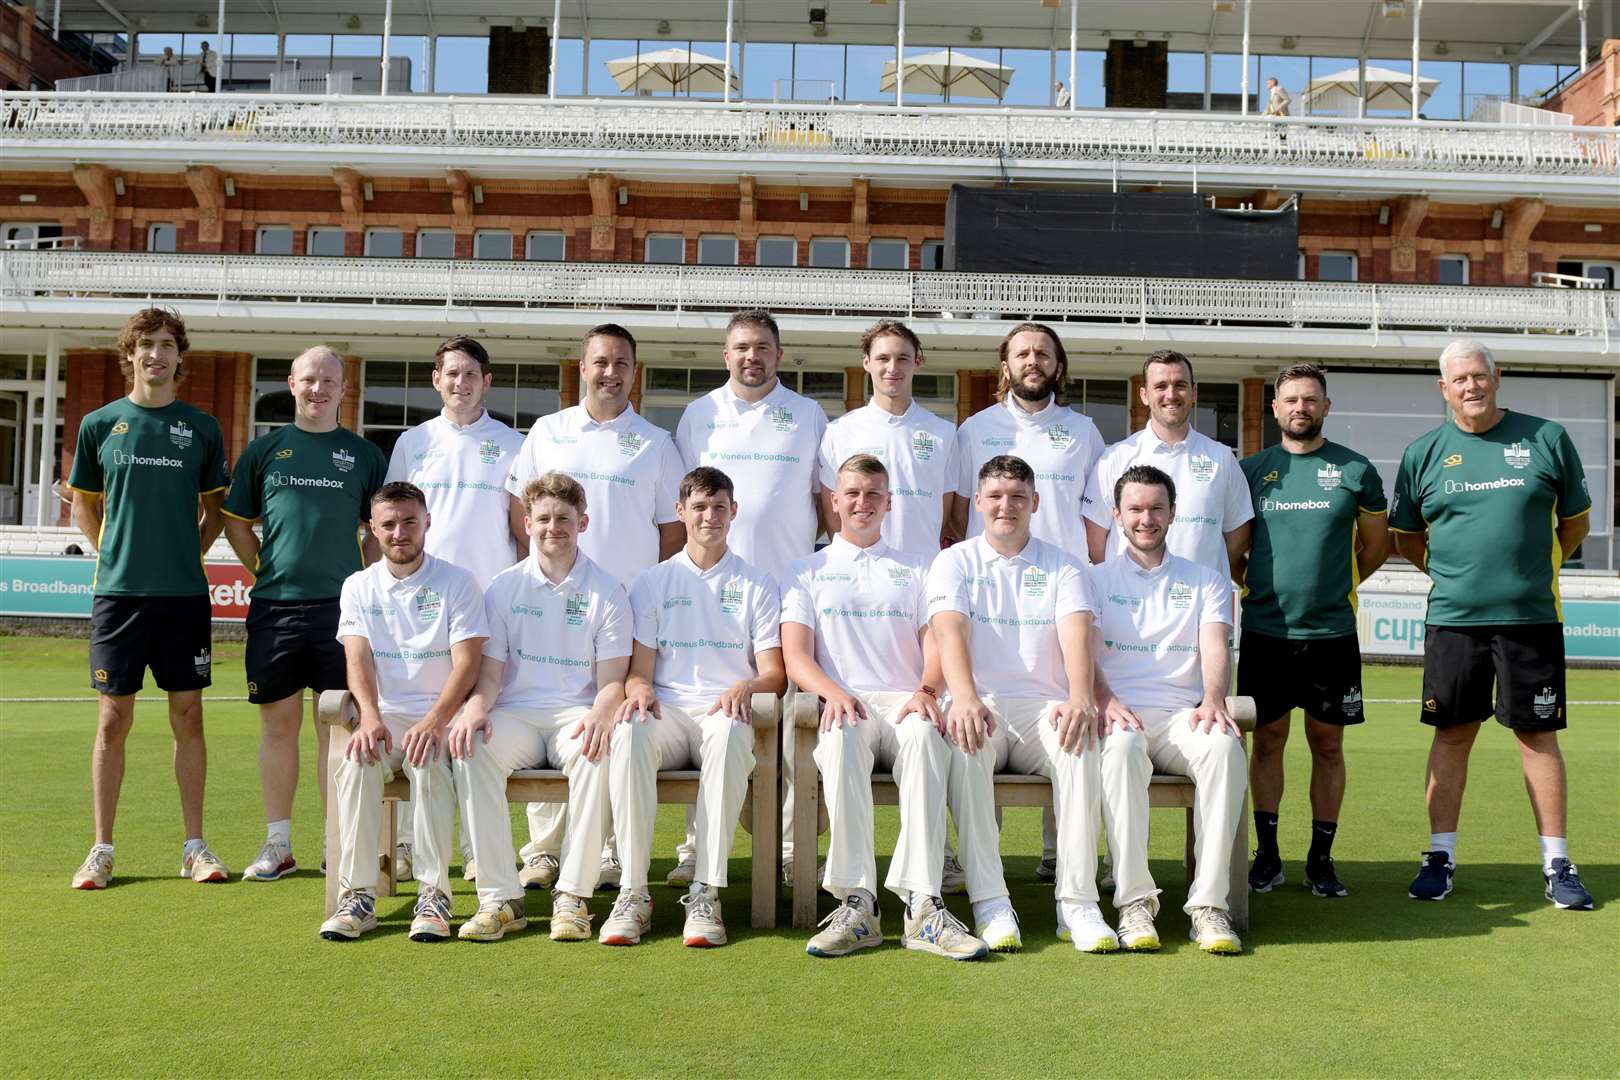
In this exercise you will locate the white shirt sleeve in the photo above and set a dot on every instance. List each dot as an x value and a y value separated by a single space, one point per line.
614 632
466 612
827 468
524 467
767 629
683 440
671 472
1239 501
1217 600
351 620
965 479
498 645
1073 591
797 605
1097 504
947 586
644 609
397 469
818 419
953 462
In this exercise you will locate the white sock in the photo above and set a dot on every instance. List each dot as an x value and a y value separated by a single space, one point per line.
193 846
108 848
984 910
868 901
280 832
1444 841
1553 847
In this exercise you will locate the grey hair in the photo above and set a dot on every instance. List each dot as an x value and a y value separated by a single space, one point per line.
1465 347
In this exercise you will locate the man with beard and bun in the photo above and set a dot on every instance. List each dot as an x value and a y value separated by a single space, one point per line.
460 460
1319 527
1062 446
308 485
148 479
630 471
855 634
1163 670
413 629
1490 504
1012 615
767 439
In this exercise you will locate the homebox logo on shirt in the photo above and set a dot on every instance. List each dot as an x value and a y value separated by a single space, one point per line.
1268 504
1457 487
120 457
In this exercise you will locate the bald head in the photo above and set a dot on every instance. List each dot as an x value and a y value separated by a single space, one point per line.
316 382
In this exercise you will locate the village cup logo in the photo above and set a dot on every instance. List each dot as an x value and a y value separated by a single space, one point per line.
1181 596
1035 583
731 597
1517 456
180 434
576 608
428 604
1545 703
782 419
489 451
900 575
1202 467
630 444
923 445
1329 477
1058 437
343 460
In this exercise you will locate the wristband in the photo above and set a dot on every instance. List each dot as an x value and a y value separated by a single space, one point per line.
929 690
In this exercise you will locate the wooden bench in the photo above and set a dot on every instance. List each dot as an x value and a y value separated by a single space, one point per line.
809 813
760 810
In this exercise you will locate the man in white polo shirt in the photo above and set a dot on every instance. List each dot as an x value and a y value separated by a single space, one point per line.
1012 615
854 633
460 460
707 640
1212 518
552 679
412 628
767 439
1162 678
630 470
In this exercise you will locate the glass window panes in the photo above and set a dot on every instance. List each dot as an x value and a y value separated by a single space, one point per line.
383 400
717 250
662 380
933 255
161 238
665 248
931 387
827 385
1336 266
385 243
702 380
274 240
1106 402
1270 433
888 254
272 401
492 244
775 251
435 244
1217 413
545 247
1453 270
324 240
829 251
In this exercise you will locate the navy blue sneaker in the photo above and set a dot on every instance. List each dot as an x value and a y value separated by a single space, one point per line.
1434 879
1323 880
1564 887
1265 872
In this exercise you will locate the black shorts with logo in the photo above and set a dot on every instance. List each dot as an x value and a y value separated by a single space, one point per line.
1320 675
172 635
1527 662
292 644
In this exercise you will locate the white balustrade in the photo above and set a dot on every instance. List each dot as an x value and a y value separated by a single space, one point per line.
744 130
64 274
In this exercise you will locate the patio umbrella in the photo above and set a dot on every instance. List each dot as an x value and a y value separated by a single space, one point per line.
950 74
1386 89
670 71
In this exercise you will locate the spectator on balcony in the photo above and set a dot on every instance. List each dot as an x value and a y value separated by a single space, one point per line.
169 64
1063 96
1277 99
208 63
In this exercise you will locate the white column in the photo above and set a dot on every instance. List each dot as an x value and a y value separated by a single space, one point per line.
219 83
48 452
900 59
1244 110
56 21
585 60
1513 83
1051 76
556 21
1209 72
432 55
725 78
281 49
1361 86
388 32
1417 23
135 49
1074 25
1580 7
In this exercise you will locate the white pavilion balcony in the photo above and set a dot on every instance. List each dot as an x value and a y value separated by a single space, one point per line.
538 136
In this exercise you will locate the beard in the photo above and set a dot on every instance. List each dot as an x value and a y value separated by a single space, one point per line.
1040 391
1307 433
402 556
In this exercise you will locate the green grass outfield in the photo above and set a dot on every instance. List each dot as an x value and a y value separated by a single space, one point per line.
161 977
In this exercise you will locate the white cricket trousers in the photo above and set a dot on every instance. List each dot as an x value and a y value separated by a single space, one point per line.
718 746
532 739
1024 741
919 758
1217 765
358 789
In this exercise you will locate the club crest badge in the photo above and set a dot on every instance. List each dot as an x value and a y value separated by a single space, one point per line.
180 434
781 419
923 445
731 597
1202 467
630 444
1058 437
1329 477
1351 704
489 451
1517 456
1181 596
1035 583
1545 703
343 460
203 662
901 576
576 609
428 604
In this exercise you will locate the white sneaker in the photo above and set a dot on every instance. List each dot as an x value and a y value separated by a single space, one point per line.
275 862
431 919
1082 923
704 929
848 928
630 918
96 872
495 921
203 866
539 871
952 878
1212 929
469 869
931 928
354 916
1000 930
1136 930
681 877
402 862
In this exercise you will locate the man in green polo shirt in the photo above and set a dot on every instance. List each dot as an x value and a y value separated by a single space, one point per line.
308 485
1491 503
141 465
1319 529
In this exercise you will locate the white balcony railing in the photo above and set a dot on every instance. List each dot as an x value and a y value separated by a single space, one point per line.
742 131
26 275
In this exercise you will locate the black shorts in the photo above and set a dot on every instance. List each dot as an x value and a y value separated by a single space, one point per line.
1320 675
172 635
1527 662
292 644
